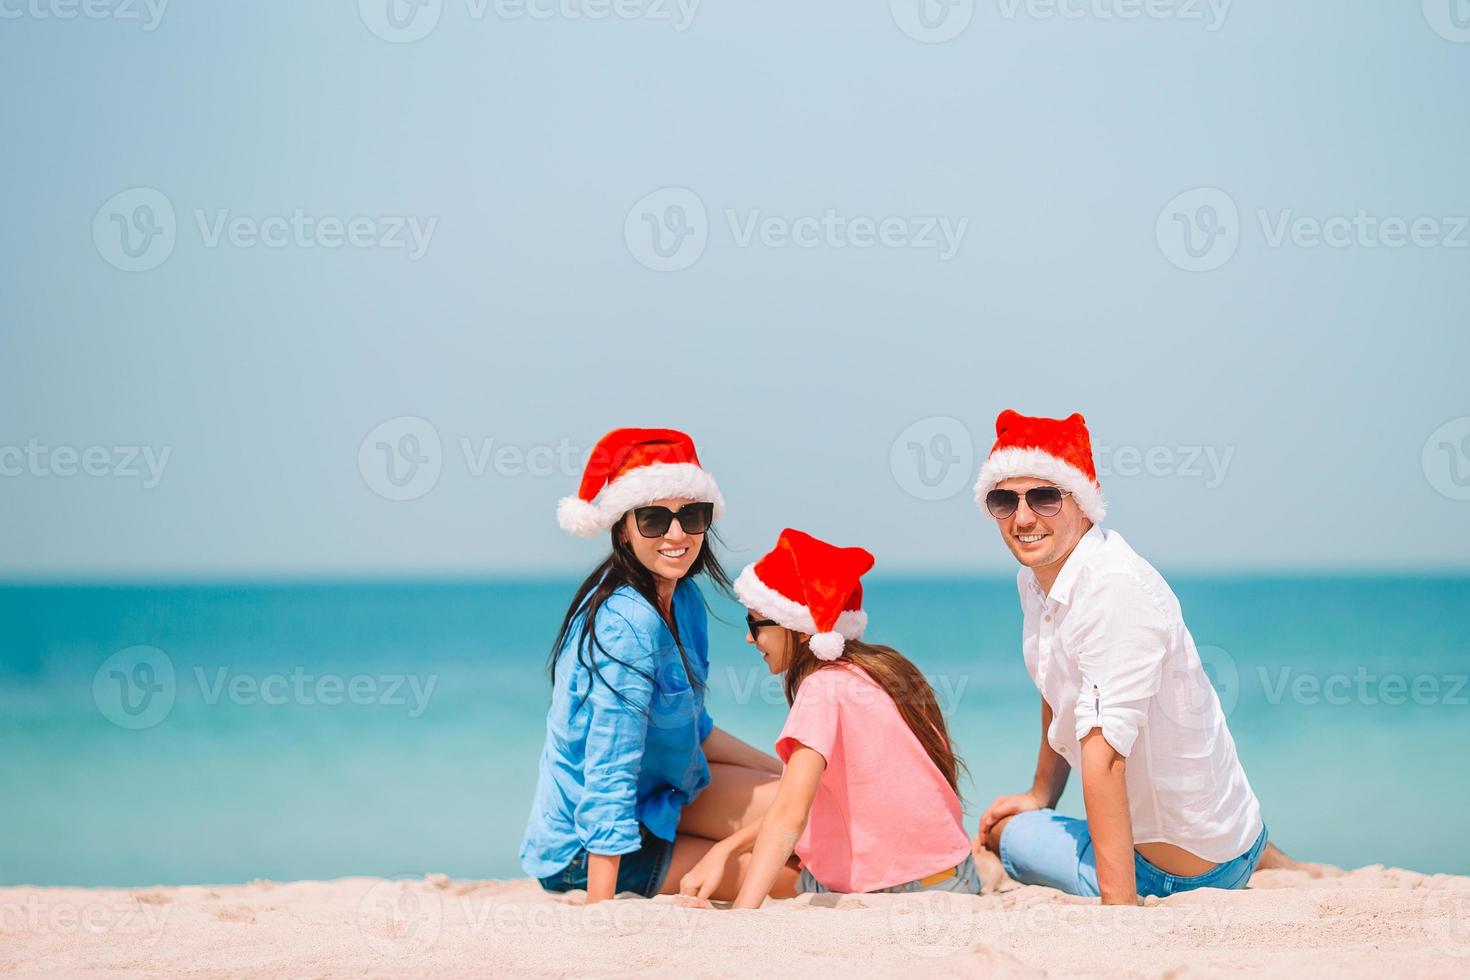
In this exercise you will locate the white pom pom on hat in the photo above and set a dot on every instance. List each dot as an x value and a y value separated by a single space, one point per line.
827 646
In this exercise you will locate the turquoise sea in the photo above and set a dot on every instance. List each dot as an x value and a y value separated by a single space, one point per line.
157 734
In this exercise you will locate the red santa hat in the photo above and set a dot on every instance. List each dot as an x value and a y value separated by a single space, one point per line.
1058 450
810 586
632 467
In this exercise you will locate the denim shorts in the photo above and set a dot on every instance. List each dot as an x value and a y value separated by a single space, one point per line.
1042 847
642 871
965 880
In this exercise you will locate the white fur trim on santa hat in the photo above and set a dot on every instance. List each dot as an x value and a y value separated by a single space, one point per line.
1004 464
656 481
760 597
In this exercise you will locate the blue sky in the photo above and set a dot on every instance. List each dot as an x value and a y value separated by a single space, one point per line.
871 241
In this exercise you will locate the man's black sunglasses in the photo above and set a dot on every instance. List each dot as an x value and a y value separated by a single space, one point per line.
1044 501
695 518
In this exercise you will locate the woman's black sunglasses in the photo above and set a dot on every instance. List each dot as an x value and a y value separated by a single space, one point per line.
755 625
1044 501
695 518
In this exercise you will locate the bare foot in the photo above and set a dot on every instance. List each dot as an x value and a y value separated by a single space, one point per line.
992 872
1274 858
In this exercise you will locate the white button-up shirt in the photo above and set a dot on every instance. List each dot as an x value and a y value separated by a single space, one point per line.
1108 648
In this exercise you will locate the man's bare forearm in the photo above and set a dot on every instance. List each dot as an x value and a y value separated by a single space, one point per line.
1105 794
1051 769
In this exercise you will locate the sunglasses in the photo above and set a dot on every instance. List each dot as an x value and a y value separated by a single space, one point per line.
1043 501
755 625
695 518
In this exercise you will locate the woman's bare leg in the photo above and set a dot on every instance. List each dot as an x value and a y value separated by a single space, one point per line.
735 796
687 852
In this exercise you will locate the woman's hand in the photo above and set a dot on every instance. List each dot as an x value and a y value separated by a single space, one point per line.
602 876
704 878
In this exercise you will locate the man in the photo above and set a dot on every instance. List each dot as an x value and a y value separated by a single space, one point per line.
1124 697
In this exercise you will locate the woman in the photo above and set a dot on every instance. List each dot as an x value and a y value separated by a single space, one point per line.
636 782
869 798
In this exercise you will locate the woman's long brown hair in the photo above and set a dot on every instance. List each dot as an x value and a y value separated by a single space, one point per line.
900 680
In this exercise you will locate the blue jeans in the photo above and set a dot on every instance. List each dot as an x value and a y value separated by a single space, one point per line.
642 871
1042 847
965 880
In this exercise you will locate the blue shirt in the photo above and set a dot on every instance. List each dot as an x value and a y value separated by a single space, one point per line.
610 763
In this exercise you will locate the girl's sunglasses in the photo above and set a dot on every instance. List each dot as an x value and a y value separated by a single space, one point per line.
754 625
695 518
1043 501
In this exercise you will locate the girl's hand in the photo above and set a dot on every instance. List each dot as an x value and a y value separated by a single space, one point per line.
704 878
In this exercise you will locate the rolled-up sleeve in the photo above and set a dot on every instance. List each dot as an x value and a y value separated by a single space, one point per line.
815 716
606 817
1121 639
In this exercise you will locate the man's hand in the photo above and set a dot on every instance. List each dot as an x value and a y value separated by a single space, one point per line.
1005 806
1045 791
704 878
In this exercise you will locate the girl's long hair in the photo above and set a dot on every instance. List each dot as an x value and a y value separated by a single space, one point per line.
900 680
618 569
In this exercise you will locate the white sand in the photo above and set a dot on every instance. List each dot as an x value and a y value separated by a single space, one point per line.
1371 922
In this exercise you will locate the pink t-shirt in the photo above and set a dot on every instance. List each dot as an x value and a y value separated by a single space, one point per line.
884 814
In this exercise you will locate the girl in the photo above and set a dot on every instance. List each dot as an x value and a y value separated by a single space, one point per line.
868 799
636 782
